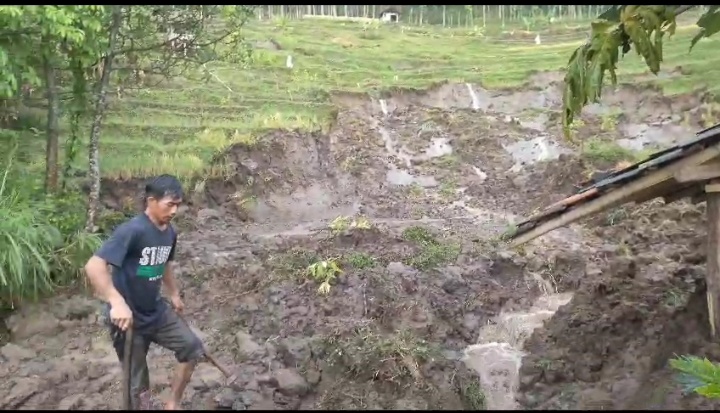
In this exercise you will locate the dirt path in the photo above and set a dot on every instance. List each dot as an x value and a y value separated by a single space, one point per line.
430 312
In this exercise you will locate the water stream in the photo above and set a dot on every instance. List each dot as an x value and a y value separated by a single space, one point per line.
498 354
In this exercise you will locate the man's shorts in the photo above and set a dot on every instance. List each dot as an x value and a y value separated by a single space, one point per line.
171 333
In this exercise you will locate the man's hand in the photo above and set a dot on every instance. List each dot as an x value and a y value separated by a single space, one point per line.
121 315
177 303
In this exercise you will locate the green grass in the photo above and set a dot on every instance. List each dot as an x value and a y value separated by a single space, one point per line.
177 127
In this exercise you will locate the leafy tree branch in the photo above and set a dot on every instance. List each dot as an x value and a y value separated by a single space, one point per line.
618 30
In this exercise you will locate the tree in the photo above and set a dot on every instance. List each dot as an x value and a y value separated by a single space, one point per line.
159 40
33 51
619 29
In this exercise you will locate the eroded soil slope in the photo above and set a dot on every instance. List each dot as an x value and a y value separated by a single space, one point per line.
609 347
439 174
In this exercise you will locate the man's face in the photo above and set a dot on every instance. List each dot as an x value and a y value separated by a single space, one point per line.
164 209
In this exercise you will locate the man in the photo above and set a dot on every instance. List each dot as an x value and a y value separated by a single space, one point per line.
141 252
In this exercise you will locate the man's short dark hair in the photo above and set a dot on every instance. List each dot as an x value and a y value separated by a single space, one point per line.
163 186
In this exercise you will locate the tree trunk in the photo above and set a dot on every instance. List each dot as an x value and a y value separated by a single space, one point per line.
100 106
53 127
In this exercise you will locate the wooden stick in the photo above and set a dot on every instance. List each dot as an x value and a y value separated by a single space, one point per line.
209 357
127 364
712 278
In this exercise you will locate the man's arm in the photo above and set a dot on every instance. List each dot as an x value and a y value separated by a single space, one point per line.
169 275
112 252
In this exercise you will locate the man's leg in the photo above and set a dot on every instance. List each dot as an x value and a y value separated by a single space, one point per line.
175 335
139 374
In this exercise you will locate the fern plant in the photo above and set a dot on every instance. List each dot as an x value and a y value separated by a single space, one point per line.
697 375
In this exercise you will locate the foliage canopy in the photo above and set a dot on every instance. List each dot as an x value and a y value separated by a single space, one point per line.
618 30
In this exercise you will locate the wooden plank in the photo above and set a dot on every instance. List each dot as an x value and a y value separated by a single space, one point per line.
712 278
712 188
698 173
618 196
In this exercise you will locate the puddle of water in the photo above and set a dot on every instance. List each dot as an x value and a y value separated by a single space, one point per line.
538 123
641 136
438 147
402 177
498 354
480 173
533 151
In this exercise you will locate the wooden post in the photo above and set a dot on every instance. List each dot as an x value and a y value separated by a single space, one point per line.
712 279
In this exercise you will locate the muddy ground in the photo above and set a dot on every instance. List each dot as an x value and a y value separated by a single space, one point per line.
427 294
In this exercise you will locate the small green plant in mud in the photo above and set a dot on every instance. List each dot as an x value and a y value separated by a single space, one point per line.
674 298
418 235
432 253
448 188
361 260
324 272
343 223
447 161
616 215
697 375
472 395
710 115
243 201
609 121
576 125
367 355
415 191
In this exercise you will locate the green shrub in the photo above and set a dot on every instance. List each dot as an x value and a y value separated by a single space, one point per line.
35 255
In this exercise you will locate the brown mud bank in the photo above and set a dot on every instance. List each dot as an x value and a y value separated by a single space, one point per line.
642 302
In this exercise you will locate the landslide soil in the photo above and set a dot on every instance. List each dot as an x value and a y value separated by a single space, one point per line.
415 288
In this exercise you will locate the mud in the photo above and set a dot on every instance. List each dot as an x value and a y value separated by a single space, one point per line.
430 311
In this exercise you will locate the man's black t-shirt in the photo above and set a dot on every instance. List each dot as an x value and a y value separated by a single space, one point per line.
138 252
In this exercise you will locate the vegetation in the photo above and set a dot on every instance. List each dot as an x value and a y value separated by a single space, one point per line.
343 223
447 16
614 33
432 252
324 272
698 375
75 55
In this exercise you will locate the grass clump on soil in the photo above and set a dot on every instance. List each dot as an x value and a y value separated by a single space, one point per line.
472 395
604 151
432 252
367 355
361 260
